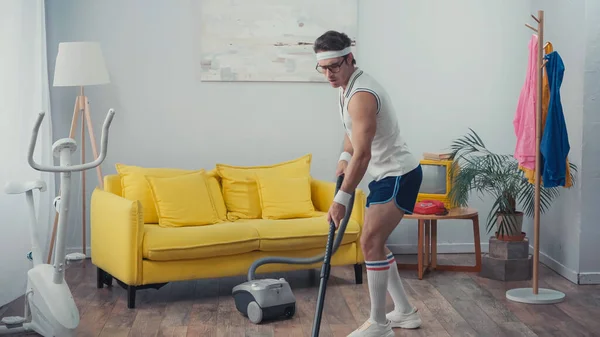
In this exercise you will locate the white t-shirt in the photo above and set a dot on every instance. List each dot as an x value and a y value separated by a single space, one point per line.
390 156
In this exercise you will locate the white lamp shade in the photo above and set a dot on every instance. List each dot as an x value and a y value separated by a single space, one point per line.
80 64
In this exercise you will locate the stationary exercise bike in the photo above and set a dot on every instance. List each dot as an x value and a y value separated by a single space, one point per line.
49 306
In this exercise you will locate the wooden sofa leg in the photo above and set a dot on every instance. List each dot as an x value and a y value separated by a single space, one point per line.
358 273
131 290
103 278
99 278
131 296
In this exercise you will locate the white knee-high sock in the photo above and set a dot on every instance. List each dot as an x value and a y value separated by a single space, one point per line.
396 288
377 276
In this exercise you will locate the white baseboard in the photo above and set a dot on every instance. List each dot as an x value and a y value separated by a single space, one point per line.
4 308
589 278
442 248
465 248
568 273
558 267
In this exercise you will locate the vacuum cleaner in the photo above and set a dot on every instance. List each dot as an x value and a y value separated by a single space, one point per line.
273 298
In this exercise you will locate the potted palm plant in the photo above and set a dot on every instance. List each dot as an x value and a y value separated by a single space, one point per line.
477 169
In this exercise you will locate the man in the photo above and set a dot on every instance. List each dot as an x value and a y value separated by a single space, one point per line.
372 144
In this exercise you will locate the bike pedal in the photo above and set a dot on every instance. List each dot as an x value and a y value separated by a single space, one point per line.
13 320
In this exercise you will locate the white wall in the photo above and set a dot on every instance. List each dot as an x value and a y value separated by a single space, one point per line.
447 73
165 116
439 93
590 230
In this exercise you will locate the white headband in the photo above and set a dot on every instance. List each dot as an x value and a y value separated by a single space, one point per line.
334 53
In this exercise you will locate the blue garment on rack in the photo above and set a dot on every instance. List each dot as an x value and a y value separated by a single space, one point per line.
554 145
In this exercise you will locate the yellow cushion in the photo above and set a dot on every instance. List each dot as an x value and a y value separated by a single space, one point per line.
195 242
134 186
284 197
298 234
241 199
214 186
240 189
183 200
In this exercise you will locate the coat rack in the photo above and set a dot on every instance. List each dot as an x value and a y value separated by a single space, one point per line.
535 295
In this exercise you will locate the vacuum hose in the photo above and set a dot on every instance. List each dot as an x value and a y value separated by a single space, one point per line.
310 260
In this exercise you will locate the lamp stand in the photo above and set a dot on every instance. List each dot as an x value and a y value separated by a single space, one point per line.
81 109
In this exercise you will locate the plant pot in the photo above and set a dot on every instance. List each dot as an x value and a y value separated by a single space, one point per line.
510 233
519 237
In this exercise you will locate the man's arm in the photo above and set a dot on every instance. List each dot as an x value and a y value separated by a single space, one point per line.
363 111
347 144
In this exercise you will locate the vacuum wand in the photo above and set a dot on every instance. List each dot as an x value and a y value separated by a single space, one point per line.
326 267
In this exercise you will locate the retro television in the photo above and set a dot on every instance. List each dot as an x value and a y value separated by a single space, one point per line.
436 181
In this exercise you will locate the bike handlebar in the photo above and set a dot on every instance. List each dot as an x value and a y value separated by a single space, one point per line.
73 168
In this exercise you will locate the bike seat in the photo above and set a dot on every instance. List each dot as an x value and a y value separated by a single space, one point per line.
14 187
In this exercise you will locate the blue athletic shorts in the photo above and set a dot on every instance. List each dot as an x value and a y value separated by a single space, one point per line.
402 189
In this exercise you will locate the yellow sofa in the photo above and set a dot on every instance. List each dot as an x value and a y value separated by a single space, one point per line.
131 243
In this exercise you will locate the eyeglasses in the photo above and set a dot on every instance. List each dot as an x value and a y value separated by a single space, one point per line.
334 68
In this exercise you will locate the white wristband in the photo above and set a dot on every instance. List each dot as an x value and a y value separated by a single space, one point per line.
342 198
345 156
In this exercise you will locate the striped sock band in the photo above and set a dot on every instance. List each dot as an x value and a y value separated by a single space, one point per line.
378 265
377 275
391 259
396 288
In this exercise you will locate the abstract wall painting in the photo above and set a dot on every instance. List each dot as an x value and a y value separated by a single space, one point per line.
267 40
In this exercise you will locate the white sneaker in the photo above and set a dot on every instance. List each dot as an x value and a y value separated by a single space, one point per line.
411 320
373 329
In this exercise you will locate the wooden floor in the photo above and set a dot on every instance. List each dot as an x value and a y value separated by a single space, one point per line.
450 303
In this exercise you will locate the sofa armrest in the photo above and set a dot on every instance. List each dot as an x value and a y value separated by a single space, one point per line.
322 196
117 228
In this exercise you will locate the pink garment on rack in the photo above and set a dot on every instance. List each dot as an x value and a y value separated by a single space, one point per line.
524 120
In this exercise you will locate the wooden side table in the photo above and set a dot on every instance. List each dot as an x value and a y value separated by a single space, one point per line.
427 247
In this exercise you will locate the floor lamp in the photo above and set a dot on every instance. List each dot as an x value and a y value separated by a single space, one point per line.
80 64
